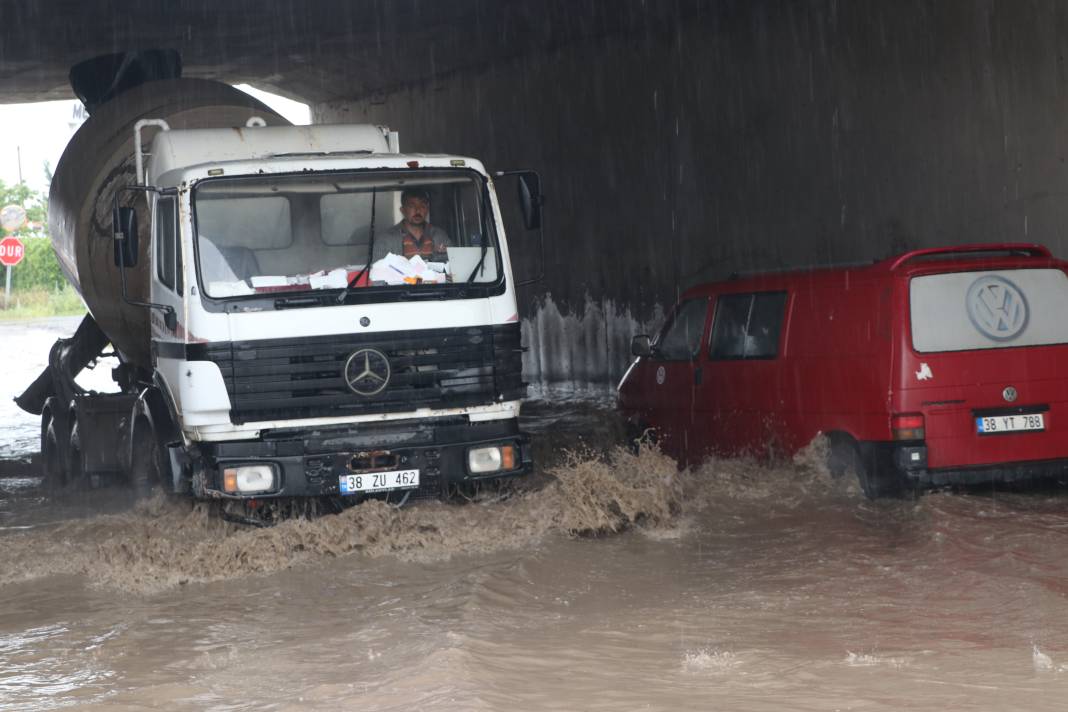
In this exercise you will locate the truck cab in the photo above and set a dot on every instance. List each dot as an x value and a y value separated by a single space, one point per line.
297 350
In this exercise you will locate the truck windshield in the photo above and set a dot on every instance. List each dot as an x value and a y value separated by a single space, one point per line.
362 230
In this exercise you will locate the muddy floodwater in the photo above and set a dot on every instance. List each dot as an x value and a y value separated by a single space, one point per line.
610 581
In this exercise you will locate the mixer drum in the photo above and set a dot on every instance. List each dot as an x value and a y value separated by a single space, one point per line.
97 163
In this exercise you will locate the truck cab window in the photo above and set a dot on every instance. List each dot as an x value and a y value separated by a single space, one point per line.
168 253
681 339
747 326
305 233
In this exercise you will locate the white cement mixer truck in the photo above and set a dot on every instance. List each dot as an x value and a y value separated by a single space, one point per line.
281 335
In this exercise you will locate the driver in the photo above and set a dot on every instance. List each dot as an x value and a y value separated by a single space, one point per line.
414 235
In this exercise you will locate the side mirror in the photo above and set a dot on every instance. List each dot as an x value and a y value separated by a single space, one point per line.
124 228
530 199
640 346
530 202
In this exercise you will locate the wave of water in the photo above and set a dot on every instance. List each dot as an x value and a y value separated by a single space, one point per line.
614 581
164 542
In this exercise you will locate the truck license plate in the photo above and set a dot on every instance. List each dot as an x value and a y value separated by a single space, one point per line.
379 481
1009 423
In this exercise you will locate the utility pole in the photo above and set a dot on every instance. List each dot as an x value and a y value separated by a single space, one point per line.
18 153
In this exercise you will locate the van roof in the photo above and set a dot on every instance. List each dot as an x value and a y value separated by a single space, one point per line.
932 259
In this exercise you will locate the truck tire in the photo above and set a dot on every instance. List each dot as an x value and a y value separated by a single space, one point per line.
146 464
53 460
76 477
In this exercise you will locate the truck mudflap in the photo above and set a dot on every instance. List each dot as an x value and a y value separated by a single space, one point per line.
421 458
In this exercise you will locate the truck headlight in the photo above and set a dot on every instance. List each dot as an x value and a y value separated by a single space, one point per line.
494 458
248 479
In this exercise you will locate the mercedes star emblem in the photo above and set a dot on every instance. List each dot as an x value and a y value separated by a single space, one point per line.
367 372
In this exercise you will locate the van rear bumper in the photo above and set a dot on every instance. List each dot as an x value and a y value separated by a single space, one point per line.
910 461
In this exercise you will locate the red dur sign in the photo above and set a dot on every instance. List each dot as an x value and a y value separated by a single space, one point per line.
11 251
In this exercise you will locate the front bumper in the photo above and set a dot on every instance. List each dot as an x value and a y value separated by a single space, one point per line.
310 463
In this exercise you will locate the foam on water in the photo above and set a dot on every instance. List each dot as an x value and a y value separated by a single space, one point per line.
714 661
873 660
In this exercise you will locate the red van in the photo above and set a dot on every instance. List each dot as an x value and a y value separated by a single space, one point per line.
940 366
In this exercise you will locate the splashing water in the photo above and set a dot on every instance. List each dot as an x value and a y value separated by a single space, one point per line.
163 542
612 581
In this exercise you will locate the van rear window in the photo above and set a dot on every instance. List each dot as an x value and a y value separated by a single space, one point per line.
961 311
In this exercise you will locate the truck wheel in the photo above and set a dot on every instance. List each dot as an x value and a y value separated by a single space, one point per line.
76 477
55 473
145 467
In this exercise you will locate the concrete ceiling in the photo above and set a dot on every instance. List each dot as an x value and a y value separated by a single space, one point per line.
312 50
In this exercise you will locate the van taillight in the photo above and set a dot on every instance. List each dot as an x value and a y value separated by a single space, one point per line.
907 426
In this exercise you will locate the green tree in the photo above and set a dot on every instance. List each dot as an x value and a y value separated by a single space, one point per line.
39 268
36 204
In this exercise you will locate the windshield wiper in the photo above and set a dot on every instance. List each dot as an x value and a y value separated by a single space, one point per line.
481 260
370 252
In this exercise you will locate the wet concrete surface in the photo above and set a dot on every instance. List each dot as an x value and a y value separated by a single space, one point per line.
609 581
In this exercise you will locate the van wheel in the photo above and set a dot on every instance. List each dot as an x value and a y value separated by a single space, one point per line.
639 433
848 458
843 458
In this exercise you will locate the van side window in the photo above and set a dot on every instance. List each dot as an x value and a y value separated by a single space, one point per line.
168 257
681 339
747 326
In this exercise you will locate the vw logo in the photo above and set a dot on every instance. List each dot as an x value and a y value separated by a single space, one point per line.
367 372
1009 394
997 308
661 376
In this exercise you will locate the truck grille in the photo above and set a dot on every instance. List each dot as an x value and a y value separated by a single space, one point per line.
279 379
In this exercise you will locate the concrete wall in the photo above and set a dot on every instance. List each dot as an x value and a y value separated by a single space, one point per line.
750 135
